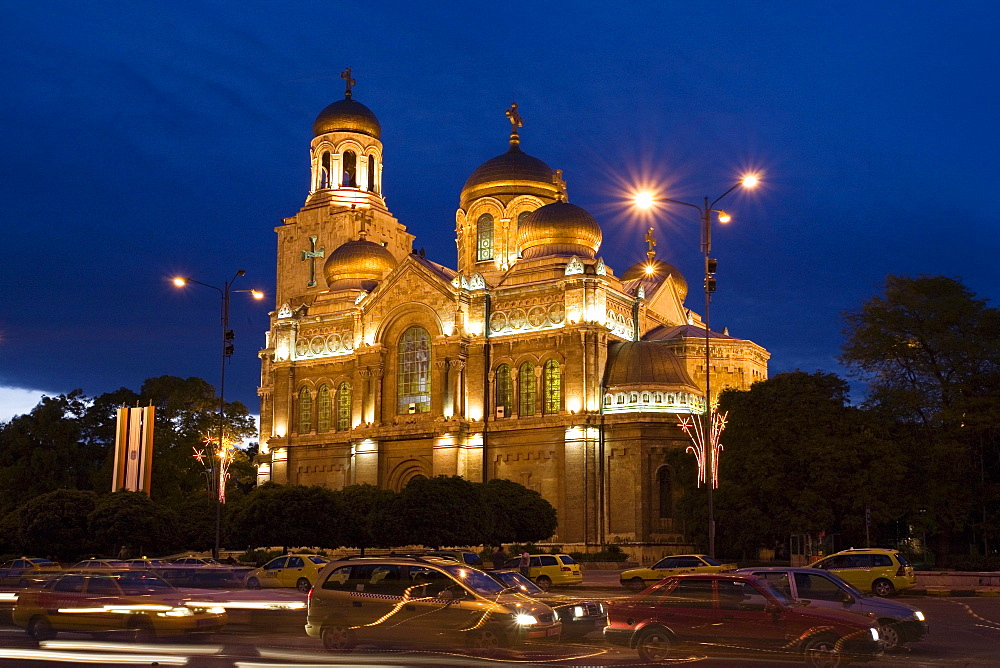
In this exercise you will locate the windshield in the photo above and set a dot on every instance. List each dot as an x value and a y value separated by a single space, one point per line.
477 581
515 579
711 562
317 560
135 583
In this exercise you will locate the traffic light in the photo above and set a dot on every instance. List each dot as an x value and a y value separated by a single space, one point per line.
227 343
711 264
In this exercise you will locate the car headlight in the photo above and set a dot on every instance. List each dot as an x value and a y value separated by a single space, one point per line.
919 615
555 614
525 620
178 612
578 611
874 633
602 607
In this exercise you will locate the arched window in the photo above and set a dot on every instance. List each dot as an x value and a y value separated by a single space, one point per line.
350 169
527 384
666 493
324 409
414 379
520 223
484 238
343 407
305 411
324 172
552 382
504 390
372 171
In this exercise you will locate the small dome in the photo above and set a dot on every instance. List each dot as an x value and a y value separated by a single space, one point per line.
559 228
513 173
358 264
347 115
645 363
660 272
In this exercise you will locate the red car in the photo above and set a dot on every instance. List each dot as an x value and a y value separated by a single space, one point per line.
725 612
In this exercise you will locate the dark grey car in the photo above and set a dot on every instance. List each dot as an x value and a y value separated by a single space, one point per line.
901 623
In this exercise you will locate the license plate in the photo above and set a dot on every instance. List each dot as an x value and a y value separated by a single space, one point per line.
554 631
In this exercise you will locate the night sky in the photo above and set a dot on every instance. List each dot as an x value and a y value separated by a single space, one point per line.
141 140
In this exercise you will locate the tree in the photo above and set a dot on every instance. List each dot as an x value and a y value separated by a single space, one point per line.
439 511
930 351
799 459
365 505
520 515
57 524
289 516
133 521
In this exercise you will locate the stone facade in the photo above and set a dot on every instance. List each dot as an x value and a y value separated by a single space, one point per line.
381 365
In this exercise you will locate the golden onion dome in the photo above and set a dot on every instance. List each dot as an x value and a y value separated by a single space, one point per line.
347 115
511 174
659 274
645 363
358 264
559 228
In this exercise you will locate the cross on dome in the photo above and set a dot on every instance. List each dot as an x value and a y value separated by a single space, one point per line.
346 76
651 242
515 122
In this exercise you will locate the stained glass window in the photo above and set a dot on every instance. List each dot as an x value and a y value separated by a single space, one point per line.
504 390
553 387
324 409
305 411
414 379
343 406
528 385
350 169
484 238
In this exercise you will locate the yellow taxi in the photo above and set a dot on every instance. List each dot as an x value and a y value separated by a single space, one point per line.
881 571
290 570
638 579
139 604
549 570
22 572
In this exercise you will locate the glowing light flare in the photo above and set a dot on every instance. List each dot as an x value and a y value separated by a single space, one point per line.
724 217
644 199
650 270
257 294
750 181
693 426
180 282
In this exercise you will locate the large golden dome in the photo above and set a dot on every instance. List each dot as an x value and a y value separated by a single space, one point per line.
659 274
347 115
559 228
358 264
511 174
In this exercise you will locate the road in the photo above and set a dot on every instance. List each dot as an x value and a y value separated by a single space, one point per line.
964 632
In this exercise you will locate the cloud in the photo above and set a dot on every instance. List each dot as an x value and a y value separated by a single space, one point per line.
18 401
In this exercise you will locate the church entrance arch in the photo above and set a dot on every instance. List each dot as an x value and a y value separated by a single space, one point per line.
404 472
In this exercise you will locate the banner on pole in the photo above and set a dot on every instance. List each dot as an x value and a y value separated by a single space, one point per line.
133 450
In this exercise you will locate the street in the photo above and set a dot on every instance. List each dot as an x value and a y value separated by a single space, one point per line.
964 631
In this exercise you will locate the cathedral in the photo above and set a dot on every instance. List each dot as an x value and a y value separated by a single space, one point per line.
532 360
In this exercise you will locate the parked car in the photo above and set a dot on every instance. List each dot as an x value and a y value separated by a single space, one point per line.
901 623
98 564
466 557
725 612
195 561
578 616
880 571
408 600
549 570
22 572
139 604
638 579
290 570
148 564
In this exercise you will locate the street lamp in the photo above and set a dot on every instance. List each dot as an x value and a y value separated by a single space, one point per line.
648 200
218 470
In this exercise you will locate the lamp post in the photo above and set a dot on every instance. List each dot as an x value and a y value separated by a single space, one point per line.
227 352
647 200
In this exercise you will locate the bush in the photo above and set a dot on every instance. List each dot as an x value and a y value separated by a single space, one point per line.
257 557
610 553
973 563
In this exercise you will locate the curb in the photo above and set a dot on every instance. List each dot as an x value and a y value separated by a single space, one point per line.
955 593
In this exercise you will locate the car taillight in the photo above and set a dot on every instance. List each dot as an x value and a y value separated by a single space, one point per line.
309 596
901 572
565 568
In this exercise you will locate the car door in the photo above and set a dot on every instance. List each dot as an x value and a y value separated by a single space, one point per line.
438 610
691 565
270 573
293 570
855 569
65 602
748 617
821 591
376 608
661 569
686 607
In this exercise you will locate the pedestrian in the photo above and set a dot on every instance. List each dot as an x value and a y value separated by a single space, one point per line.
123 553
499 557
525 563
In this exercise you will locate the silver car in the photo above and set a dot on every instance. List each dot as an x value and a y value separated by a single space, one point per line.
901 623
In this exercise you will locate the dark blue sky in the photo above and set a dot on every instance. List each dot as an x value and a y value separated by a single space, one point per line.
145 139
